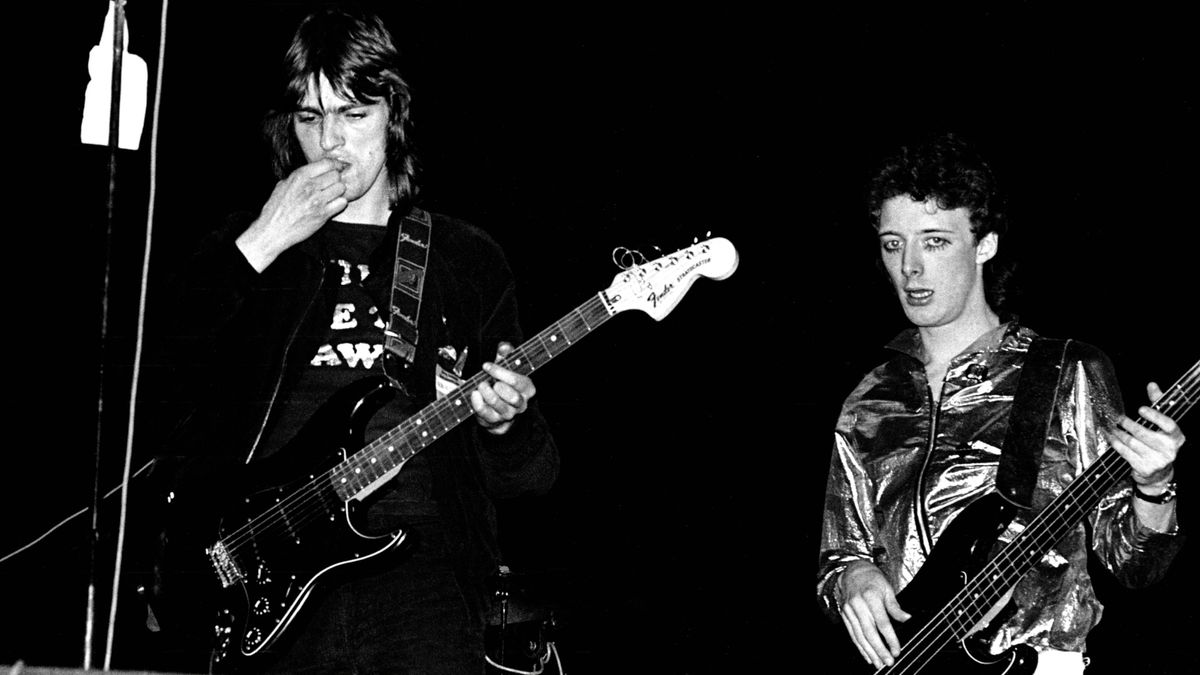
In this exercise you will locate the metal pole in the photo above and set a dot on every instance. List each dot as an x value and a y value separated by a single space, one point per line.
114 127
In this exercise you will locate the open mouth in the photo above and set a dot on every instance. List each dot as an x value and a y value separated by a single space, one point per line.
918 295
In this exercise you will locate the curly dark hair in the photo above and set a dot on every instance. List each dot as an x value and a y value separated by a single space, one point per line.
356 53
949 170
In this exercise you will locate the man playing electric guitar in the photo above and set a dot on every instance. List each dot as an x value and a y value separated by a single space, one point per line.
339 277
922 435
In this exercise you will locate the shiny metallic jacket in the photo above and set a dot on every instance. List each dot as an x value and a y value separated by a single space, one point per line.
902 468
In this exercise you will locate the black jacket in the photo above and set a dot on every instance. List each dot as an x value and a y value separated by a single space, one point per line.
229 342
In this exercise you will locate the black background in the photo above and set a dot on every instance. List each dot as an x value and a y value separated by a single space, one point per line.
681 537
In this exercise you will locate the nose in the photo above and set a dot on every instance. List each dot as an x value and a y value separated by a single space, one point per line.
912 264
331 132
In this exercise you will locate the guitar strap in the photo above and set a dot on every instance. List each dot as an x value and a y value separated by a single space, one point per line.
408 283
1021 456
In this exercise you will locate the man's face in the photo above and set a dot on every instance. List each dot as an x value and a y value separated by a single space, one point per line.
933 260
354 134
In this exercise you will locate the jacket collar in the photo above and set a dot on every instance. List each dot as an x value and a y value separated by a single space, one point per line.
909 341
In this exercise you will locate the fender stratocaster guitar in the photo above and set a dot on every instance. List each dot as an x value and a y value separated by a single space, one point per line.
295 519
958 586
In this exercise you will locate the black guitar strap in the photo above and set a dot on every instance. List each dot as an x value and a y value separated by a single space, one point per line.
1021 456
408 283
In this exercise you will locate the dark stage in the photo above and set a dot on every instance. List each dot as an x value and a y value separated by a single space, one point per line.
681 536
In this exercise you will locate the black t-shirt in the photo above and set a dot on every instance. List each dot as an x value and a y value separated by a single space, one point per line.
354 350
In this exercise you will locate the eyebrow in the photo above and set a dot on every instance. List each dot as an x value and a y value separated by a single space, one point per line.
338 110
928 230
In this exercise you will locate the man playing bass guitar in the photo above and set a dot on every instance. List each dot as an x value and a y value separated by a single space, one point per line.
921 437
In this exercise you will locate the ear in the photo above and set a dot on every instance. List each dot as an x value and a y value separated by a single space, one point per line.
986 249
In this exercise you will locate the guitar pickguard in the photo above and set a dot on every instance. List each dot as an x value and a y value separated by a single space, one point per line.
265 600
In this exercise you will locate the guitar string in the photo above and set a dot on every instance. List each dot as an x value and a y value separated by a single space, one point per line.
313 494
291 512
313 498
1114 466
310 501
1108 463
349 468
320 500
298 507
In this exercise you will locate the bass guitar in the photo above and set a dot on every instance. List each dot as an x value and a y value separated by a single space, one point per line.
294 521
958 587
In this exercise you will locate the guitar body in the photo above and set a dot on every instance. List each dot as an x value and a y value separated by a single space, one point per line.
961 552
285 533
967 660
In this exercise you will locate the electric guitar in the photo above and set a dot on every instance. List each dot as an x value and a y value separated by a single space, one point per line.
295 519
957 586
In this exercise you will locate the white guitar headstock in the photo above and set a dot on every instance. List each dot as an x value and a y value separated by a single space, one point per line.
655 287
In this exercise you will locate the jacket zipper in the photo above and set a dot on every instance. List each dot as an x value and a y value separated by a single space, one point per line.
919 511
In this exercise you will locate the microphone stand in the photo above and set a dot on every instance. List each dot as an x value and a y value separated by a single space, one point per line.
114 127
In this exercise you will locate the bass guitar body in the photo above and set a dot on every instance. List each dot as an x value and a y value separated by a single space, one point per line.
926 639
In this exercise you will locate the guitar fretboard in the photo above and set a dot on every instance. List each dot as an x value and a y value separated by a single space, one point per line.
359 474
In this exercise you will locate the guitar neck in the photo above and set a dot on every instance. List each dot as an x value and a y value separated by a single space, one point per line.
363 472
1066 511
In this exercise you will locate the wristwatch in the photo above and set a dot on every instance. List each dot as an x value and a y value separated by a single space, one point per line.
1163 497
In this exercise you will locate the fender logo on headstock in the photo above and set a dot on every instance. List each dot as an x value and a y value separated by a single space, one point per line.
655 297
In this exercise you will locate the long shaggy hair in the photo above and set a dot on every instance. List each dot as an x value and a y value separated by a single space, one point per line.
356 53
947 170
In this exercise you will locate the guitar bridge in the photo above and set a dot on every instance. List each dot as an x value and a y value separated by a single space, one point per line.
227 570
